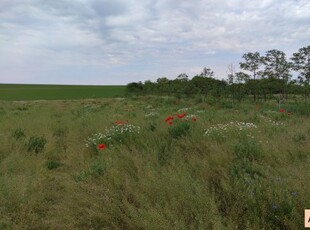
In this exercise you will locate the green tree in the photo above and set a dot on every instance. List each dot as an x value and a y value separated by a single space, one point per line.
277 67
301 63
149 87
164 86
252 63
135 87
179 84
206 72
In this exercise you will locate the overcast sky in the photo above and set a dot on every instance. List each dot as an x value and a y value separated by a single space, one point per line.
121 41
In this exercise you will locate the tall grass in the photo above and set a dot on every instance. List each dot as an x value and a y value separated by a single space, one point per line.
164 177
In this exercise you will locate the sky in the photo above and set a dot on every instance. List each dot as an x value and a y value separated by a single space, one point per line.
114 42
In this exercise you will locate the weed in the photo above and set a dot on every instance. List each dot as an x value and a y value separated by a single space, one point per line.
164 153
98 168
36 144
18 133
81 176
179 130
52 164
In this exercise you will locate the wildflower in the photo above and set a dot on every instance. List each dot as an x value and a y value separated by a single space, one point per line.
289 113
169 118
170 123
101 146
194 119
181 115
282 110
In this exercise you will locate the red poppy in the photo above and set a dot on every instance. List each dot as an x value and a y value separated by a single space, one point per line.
170 123
194 119
181 115
282 110
119 122
101 146
169 118
186 120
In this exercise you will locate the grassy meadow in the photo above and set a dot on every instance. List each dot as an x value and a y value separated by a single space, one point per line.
14 92
211 166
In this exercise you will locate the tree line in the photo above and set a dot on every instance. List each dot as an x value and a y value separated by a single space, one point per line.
262 77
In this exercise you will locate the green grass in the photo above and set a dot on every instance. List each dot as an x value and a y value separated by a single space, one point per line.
239 176
15 92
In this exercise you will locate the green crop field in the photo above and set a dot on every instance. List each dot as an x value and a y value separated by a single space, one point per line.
153 163
58 92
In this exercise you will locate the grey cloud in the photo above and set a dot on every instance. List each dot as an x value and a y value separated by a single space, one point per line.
107 8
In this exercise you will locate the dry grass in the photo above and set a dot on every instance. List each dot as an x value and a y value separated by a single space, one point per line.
246 179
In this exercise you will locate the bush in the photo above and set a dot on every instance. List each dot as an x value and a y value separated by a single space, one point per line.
36 144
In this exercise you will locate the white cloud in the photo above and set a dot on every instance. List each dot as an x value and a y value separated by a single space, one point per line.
143 39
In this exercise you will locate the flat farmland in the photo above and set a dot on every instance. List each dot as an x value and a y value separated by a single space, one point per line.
16 92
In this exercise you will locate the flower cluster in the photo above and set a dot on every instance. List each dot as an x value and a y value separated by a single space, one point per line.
181 115
229 126
116 133
270 121
192 117
169 120
283 111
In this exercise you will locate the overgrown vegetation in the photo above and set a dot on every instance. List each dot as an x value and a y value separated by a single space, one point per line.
191 164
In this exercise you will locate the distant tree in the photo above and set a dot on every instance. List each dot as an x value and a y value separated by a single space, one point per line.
182 77
252 63
179 85
201 84
301 63
135 87
164 86
277 67
232 79
206 72
242 77
149 87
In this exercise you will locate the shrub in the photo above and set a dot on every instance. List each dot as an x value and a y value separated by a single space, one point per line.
36 144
